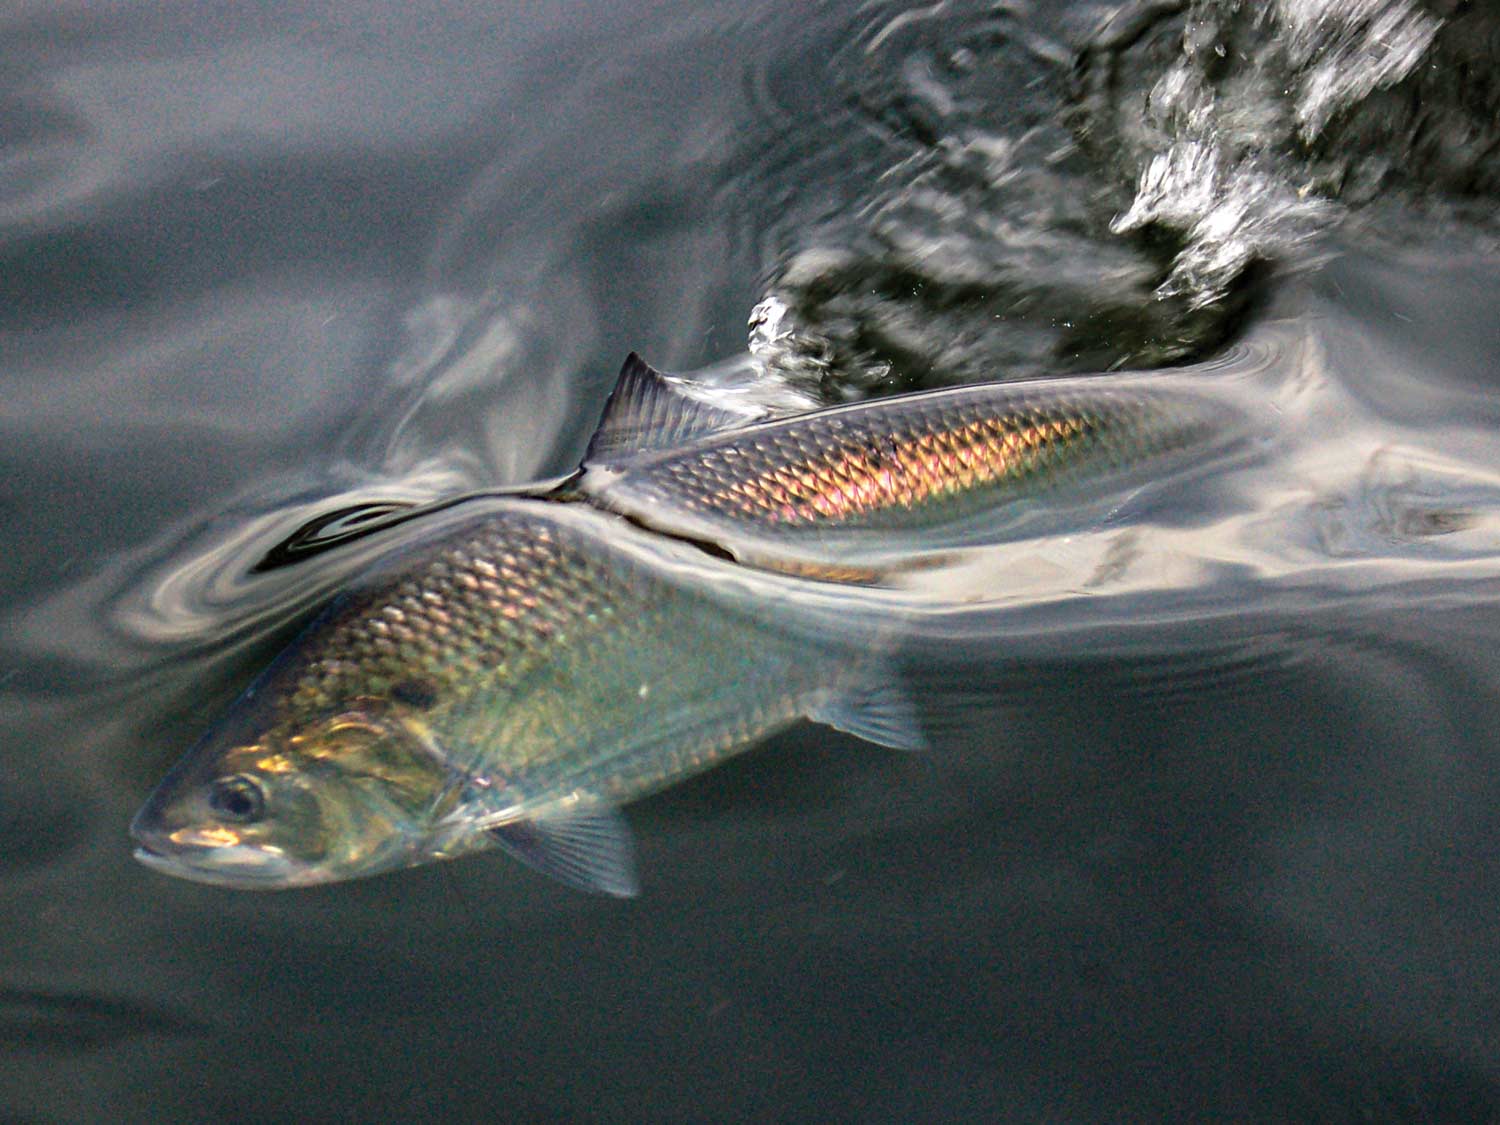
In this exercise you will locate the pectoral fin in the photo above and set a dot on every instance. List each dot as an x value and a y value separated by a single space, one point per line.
647 412
878 710
590 850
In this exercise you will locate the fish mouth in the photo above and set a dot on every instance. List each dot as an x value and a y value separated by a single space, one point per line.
223 867
202 857
148 855
157 861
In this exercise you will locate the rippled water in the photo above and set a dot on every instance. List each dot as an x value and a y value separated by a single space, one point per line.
1210 823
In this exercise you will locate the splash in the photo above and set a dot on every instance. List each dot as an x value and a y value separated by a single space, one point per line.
1231 212
977 251
1217 169
1048 207
1345 50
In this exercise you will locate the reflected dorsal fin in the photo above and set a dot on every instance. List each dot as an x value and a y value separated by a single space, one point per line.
646 412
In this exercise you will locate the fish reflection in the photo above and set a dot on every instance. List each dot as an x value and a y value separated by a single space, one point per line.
511 679
880 483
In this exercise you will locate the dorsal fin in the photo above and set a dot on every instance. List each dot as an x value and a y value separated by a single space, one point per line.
646 412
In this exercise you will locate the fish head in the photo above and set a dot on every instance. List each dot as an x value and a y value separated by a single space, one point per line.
334 794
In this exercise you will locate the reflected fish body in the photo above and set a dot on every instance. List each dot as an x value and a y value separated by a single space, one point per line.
872 482
512 679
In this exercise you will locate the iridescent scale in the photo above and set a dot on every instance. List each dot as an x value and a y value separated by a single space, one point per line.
537 653
907 463
481 603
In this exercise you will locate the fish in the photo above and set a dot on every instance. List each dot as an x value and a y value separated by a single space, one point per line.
850 492
511 674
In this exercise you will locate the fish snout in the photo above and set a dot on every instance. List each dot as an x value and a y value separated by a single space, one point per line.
150 831
210 853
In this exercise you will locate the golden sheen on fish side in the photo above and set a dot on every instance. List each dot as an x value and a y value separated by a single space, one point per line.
510 679
879 483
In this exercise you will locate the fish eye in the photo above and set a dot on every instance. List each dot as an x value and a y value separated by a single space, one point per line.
238 798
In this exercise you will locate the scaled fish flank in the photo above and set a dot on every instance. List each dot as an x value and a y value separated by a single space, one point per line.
510 680
852 490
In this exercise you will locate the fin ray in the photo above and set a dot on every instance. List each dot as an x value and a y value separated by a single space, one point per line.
646 413
878 710
590 850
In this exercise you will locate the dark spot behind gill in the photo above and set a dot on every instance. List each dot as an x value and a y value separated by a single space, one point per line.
417 693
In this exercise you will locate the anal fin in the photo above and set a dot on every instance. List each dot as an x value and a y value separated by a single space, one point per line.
591 850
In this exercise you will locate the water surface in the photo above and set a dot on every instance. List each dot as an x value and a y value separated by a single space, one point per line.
1209 826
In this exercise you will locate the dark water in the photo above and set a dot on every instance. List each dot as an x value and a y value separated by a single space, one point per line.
1211 824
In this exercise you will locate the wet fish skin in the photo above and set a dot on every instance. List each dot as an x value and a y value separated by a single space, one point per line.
867 482
512 679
